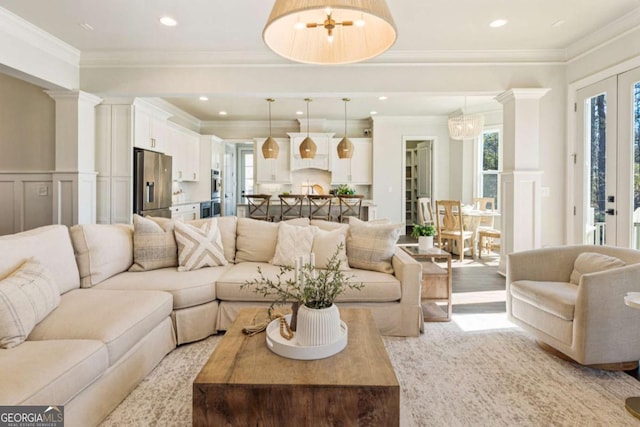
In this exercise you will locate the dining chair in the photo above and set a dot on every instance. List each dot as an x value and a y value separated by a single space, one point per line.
259 206
450 227
291 206
485 204
320 206
486 228
425 213
350 205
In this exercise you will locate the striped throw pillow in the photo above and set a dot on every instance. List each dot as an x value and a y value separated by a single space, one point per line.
199 246
154 245
371 246
27 296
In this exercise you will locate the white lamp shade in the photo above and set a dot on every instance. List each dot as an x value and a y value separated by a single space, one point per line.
351 43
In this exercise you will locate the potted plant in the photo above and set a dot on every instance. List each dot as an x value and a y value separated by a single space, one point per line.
424 233
344 190
311 293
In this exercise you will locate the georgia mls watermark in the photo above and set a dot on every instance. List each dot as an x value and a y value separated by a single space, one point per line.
31 416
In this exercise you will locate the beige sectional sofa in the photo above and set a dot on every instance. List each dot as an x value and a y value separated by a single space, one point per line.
113 326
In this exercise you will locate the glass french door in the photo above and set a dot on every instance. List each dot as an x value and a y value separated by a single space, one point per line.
595 159
607 160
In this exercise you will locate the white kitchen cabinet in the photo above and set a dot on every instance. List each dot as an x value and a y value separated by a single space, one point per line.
184 148
321 159
186 212
113 158
150 127
358 169
276 171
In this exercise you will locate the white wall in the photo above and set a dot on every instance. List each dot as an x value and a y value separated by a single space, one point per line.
388 158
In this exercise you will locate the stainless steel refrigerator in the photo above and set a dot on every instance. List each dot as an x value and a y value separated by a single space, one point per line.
151 183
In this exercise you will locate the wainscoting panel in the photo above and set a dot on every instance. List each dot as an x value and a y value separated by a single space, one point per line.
37 204
7 207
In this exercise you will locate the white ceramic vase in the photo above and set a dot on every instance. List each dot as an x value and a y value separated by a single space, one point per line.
318 326
425 242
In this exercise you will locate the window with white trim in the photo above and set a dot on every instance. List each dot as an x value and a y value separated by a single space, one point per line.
489 165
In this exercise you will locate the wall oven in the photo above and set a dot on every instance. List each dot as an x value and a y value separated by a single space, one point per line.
216 188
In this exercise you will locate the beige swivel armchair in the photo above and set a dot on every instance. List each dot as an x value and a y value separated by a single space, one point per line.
586 321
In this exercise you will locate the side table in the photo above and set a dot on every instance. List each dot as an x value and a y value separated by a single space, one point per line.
436 282
633 403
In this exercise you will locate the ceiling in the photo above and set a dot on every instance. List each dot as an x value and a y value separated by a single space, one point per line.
434 27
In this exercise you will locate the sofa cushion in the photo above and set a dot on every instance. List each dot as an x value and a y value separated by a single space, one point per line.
325 245
592 262
228 285
256 241
154 245
293 242
199 247
557 298
190 288
378 287
227 226
329 225
371 246
117 318
50 372
27 296
102 250
49 245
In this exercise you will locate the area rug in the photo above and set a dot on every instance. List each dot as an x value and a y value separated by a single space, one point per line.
477 370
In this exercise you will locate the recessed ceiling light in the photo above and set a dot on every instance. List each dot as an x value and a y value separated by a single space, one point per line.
558 23
168 21
498 23
383 98
223 113
299 113
373 113
204 98
86 26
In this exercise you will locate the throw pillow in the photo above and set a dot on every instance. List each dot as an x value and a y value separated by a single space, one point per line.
154 244
199 246
591 262
371 246
227 227
256 240
325 244
27 296
293 241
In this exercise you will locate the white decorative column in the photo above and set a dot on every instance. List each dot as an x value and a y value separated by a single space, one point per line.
521 175
74 178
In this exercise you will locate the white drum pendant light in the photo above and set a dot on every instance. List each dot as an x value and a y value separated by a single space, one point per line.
465 126
329 31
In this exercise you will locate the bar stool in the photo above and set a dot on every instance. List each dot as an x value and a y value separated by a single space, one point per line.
291 206
259 206
350 205
320 206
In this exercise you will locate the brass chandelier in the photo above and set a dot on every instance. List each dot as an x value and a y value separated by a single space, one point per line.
329 31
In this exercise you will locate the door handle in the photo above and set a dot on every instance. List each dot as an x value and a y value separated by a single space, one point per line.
610 212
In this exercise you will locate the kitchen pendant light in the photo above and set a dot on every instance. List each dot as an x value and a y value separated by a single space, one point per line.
329 32
308 148
345 147
270 147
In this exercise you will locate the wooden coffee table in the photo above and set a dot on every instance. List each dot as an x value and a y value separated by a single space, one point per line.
244 383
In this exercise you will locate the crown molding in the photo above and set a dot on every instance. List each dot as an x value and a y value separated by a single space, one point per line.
603 36
175 111
25 31
173 59
234 124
